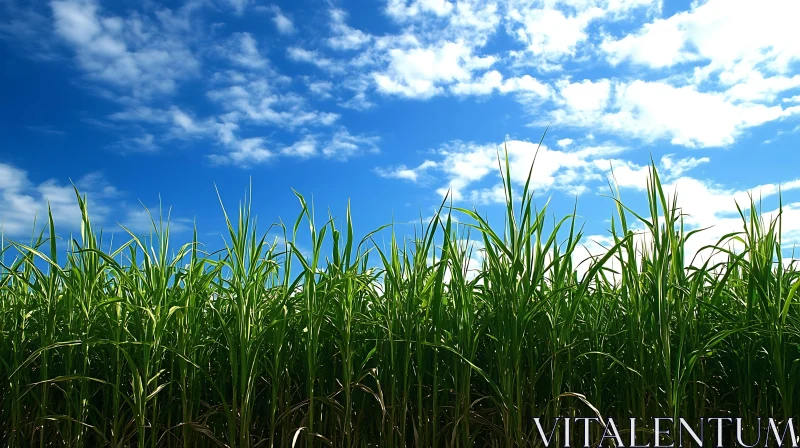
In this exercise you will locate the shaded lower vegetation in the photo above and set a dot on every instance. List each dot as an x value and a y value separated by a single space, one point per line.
355 343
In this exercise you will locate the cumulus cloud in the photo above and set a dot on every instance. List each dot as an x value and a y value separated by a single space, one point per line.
713 208
654 110
492 81
257 100
238 6
564 142
470 171
403 9
304 148
345 145
465 168
422 72
243 152
343 36
136 55
678 167
25 202
313 57
711 35
405 173
321 89
340 145
708 44
553 30
441 48
471 21
283 23
242 49
692 79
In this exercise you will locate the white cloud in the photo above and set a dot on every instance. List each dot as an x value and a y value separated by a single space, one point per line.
702 201
144 143
242 152
624 173
680 166
25 27
722 83
250 150
282 22
12 178
405 173
359 101
435 21
421 72
239 6
245 152
321 89
303 148
45 130
658 110
585 98
344 145
549 32
243 51
143 221
134 54
400 172
462 166
712 32
239 151
553 30
141 113
485 85
404 9
345 37
313 57
495 194
257 101
22 201
659 44
493 81
465 169
705 205
754 87
752 66
187 124
474 21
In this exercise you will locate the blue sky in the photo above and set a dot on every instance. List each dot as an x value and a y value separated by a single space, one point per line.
393 103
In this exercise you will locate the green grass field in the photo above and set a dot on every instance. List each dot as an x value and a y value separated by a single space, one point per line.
265 344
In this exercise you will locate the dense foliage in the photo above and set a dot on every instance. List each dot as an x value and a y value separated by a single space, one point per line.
355 343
